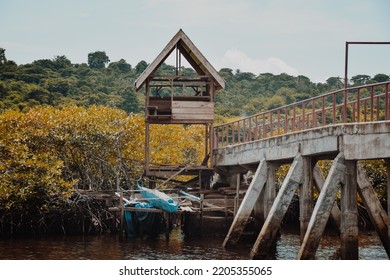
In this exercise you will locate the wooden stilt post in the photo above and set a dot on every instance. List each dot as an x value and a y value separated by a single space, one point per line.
322 209
201 213
278 210
167 225
349 214
319 182
235 182
121 213
306 196
374 208
247 204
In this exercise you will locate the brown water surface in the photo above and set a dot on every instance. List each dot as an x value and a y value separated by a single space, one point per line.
111 247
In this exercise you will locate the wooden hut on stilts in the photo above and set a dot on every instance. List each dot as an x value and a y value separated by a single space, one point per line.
179 99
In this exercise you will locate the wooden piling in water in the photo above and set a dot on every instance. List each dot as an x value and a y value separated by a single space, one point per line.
279 208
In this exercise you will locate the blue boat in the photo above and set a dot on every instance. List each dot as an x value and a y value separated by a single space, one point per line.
158 199
139 223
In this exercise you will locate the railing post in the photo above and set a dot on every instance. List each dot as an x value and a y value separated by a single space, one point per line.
377 108
314 117
345 105
238 132
249 138
365 110
303 115
323 111
256 131
285 120
371 103
387 102
293 119
334 108
264 130
358 105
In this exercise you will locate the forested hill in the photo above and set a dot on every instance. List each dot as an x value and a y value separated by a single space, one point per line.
58 81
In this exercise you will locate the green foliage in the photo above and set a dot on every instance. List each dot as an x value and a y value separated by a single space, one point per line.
376 173
58 82
140 67
3 59
98 60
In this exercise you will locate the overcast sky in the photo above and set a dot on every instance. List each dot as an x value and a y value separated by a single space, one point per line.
298 37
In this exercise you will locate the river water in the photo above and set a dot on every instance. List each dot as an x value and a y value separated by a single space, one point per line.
112 247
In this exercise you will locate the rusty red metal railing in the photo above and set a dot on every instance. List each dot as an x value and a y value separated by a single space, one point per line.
367 103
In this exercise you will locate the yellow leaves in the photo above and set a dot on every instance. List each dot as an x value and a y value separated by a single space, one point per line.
43 152
177 144
48 151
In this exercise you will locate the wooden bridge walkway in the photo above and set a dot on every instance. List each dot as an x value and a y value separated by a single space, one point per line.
345 126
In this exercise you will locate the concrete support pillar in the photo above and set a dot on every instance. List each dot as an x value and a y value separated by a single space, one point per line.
247 204
279 208
322 209
269 190
306 196
349 214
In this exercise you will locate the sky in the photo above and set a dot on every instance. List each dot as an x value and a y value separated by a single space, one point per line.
297 37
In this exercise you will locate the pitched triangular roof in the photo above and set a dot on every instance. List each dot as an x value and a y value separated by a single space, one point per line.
192 55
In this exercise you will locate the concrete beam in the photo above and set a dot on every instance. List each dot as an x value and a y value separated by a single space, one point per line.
306 196
279 208
349 214
322 209
374 208
247 204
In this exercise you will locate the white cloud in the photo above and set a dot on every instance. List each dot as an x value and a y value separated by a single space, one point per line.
236 59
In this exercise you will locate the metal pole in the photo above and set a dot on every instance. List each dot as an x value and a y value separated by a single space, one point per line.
345 84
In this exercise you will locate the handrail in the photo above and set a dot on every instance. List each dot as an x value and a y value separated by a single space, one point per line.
367 103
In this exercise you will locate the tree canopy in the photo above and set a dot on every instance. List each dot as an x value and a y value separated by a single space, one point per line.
98 59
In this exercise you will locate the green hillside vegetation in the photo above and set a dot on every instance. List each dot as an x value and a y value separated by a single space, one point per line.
58 82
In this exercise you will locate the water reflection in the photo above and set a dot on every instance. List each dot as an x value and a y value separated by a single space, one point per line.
111 247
